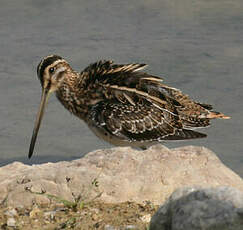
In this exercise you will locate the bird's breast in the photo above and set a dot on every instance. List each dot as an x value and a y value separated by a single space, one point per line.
79 101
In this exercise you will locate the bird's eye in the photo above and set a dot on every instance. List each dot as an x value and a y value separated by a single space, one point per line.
51 70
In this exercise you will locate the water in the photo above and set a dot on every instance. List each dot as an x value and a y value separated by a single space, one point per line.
196 46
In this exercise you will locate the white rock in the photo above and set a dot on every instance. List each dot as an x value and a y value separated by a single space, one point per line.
123 174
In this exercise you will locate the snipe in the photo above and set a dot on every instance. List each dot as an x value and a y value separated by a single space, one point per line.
121 104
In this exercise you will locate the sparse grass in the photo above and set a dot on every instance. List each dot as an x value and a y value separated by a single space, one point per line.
80 201
95 215
83 213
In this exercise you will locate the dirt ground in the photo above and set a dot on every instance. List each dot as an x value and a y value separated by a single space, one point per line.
93 215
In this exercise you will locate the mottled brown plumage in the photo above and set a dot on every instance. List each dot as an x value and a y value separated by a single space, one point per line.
122 104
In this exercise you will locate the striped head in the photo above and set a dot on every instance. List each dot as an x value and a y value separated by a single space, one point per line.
51 72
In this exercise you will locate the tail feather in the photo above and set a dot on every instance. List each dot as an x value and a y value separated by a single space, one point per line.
213 115
184 134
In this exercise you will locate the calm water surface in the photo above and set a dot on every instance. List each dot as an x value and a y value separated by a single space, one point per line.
196 46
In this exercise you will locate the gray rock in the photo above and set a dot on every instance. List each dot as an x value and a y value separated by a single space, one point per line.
201 209
115 175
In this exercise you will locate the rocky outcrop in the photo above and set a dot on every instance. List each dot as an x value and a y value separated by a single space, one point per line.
116 175
201 209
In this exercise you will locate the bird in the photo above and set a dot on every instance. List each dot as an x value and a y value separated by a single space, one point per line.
121 103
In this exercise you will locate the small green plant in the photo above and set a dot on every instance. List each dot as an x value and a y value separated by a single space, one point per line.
80 201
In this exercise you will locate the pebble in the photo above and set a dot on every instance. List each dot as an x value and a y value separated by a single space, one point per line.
131 227
35 212
11 222
50 215
11 212
109 227
127 227
146 218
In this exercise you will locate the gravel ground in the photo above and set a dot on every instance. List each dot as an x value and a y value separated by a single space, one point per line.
94 215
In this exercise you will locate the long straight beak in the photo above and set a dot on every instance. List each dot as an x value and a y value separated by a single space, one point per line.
44 99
